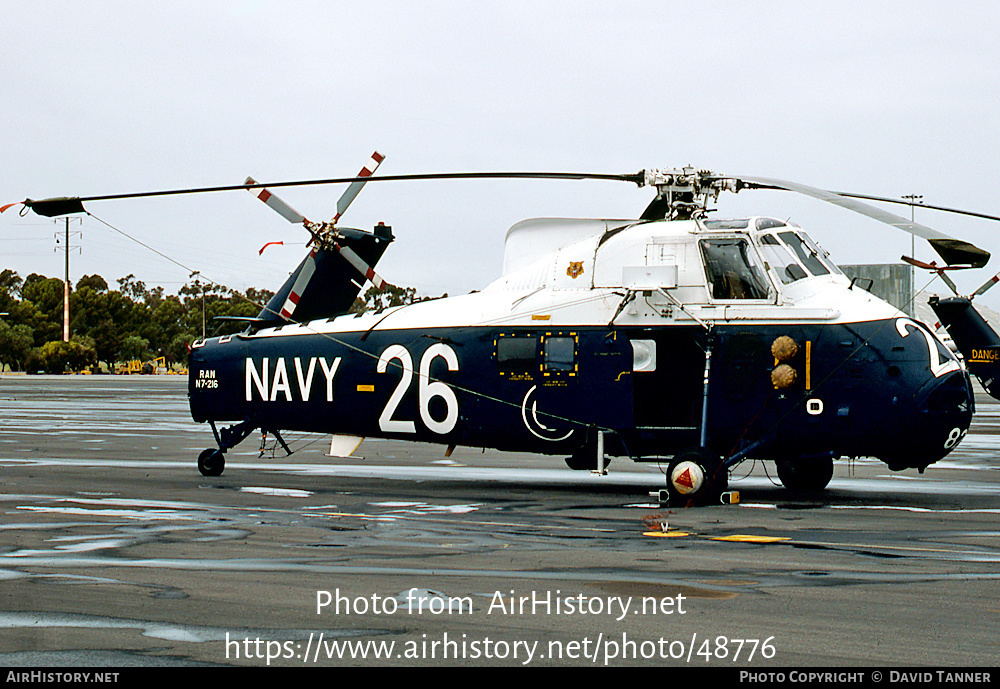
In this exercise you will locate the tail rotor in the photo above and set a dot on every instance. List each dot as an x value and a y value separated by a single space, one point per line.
326 239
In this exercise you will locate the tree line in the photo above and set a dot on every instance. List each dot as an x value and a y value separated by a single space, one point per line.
107 326
133 322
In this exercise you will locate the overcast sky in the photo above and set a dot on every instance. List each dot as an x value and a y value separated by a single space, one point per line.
887 98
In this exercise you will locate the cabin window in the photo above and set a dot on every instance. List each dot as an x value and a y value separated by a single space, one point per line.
780 261
517 353
560 354
732 273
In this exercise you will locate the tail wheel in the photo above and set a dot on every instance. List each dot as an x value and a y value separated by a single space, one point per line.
805 475
211 462
696 477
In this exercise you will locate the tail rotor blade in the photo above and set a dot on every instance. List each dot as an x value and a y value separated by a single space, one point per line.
286 211
948 281
940 270
351 257
355 187
299 287
308 271
987 285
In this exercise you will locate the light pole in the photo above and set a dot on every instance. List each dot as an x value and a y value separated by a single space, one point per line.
913 199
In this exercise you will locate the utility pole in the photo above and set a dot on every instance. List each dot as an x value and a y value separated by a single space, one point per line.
197 283
66 283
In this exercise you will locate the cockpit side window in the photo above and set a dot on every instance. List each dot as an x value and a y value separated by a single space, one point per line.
807 254
787 268
732 274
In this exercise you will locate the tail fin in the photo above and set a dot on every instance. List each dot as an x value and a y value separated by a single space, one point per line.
326 283
978 342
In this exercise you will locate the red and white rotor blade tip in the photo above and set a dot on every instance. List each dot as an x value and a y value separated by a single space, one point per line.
355 187
301 282
359 264
987 285
286 211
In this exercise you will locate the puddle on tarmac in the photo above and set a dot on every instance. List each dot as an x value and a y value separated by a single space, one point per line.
165 631
278 492
427 508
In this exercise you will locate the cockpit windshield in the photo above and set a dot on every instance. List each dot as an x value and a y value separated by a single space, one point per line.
732 272
795 256
805 253
778 259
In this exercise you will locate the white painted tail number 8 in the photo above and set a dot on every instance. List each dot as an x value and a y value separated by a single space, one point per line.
427 389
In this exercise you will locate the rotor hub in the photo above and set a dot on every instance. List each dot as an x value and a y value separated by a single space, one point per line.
686 192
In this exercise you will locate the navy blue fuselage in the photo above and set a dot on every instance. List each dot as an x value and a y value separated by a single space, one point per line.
883 388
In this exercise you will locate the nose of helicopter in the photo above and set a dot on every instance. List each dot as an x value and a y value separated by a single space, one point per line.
933 421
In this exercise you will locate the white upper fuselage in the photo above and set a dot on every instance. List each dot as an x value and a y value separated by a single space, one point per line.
566 272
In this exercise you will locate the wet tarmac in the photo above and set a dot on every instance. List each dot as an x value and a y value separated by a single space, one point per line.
115 551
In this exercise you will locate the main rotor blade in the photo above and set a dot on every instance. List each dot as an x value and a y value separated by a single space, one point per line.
953 251
352 191
60 206
904 202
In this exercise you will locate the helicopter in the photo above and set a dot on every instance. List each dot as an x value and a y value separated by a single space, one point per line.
672 337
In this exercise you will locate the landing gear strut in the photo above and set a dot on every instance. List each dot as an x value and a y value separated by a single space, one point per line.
212 462
699 476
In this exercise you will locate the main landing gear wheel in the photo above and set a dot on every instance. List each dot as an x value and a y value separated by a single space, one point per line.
211 462
585 460
805 475
696 477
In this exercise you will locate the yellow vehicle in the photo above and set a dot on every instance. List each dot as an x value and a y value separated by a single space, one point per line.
154 366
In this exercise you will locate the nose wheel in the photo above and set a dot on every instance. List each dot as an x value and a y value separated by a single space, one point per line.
696 477
211 462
